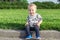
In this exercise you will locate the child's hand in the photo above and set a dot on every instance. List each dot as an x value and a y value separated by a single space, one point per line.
26 23
38 24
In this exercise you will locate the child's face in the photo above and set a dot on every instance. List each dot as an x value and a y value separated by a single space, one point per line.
32 10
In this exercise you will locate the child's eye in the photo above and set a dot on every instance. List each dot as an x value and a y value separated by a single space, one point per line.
29 10
32 10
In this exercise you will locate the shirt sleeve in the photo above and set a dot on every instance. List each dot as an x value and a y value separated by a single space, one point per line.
39 18
27 19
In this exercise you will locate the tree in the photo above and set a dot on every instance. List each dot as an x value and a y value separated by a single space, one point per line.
22 4
59 1
25 1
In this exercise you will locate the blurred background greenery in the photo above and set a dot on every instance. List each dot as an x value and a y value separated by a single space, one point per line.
22 4
13 14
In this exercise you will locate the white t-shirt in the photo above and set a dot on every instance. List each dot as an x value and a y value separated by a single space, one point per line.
33 19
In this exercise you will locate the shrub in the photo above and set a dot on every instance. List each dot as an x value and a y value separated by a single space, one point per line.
47 5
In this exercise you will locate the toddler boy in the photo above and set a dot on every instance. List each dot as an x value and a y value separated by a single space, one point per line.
33 21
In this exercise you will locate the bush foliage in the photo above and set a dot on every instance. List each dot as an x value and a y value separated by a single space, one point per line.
13 5
23 5
47 5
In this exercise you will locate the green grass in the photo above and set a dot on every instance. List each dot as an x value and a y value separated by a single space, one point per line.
16 18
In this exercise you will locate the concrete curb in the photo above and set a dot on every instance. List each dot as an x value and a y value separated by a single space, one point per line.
19 33
3 38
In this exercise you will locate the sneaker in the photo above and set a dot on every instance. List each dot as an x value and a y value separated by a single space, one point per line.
38 38
29 37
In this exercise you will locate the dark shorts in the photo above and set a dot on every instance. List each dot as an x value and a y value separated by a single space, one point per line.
32 29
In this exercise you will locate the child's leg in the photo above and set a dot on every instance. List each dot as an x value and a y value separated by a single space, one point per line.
37 30
27 29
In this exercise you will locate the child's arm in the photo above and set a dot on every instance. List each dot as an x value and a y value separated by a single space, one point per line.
27 20
39 20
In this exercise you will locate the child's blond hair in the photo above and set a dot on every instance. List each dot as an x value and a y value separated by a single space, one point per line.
30 5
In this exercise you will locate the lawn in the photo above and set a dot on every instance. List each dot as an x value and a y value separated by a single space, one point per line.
16 18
